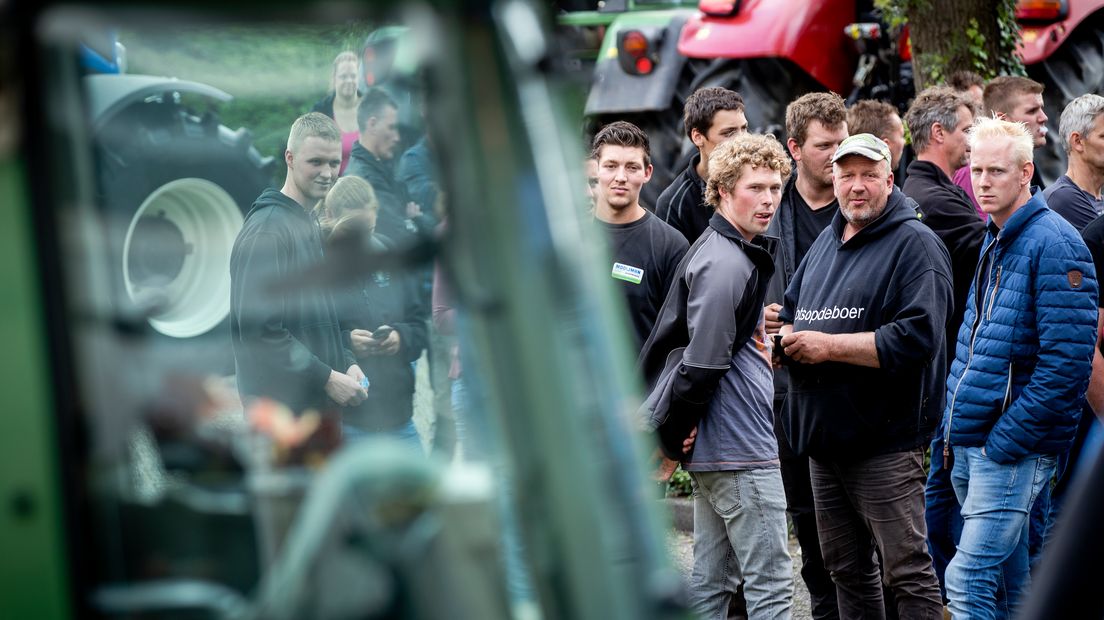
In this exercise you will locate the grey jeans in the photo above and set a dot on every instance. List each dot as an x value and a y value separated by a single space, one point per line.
740 535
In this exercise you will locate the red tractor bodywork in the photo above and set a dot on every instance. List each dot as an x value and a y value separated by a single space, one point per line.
1040 40
807 32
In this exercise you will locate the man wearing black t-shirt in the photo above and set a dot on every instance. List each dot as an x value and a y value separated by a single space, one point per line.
645 252
816 124
1076 194
711 116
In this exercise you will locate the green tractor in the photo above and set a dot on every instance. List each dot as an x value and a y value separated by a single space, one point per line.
137 485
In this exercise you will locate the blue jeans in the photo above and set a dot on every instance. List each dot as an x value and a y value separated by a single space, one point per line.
406 433
996 502
740 534
941 513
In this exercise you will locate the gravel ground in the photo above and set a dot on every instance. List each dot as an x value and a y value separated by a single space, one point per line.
680 545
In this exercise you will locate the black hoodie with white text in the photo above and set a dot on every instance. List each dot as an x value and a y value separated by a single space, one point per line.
892 278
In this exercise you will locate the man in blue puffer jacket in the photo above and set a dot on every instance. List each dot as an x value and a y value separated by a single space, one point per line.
1022 364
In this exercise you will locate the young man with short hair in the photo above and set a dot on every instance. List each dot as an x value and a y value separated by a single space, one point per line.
1017 99
708 364
879 119
288 345
816 124
645 251
1018 381
372 160
710 116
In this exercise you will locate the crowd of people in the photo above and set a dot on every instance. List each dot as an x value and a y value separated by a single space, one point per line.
348 352
905 369
902 371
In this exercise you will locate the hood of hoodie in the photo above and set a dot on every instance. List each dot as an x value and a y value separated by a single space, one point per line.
274 197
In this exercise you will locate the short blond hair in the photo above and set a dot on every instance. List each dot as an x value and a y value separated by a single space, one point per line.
986 129
727 162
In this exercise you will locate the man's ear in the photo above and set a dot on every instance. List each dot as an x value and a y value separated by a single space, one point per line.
938 135
697 138
1028 172
648 173
1076 142
289 158
794 148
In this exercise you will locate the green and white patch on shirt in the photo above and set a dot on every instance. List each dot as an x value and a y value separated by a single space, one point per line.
628 273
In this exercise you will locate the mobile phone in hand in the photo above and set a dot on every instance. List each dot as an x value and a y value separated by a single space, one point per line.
381 333
778 353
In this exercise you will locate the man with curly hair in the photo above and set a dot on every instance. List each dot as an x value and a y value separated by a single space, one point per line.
863 334
708 364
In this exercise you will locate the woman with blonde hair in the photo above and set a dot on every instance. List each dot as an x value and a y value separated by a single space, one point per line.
342 101
382 317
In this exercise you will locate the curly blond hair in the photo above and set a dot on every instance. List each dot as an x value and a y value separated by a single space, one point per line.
727 162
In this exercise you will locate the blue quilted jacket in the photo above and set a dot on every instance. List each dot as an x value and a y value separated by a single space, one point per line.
1024 351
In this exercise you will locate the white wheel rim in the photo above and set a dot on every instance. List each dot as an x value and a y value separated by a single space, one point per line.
197 298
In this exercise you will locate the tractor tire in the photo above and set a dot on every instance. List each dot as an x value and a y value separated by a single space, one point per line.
174 188
767 86
1074 69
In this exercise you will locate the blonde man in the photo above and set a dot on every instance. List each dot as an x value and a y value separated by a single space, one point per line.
708 363
1023 360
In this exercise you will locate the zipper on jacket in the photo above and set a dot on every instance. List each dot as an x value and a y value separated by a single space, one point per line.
993 296
1007 390
970 351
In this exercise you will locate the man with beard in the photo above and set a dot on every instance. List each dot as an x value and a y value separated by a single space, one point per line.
863 323
287 345
816 124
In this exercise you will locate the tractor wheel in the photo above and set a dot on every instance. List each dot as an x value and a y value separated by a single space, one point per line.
766 85
1076 68
174 188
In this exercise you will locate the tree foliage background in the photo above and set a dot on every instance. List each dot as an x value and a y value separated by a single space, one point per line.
954 35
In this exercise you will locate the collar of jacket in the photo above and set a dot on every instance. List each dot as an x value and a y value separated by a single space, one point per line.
897 211
359 152
1021 218
760 249
931 172
692 172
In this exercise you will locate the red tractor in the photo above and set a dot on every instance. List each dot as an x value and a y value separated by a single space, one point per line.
773 52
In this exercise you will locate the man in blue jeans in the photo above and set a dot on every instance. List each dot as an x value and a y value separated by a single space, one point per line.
1022 364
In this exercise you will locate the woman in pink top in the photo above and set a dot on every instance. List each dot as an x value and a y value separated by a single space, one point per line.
342 101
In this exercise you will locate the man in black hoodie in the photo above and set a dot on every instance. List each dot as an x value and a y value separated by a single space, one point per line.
863 324
287 345
711 116
372 159
939 120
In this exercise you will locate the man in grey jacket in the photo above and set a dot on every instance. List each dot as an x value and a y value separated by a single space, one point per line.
708 363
